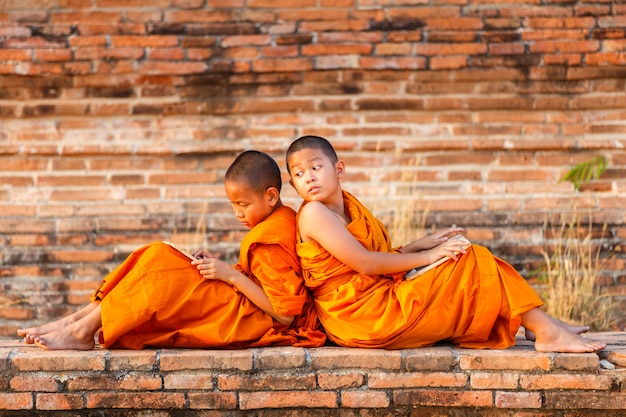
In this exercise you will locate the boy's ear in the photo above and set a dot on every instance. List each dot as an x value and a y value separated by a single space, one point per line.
340 167
272 195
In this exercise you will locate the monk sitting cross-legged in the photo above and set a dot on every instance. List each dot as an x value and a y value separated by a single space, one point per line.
474 301
158 297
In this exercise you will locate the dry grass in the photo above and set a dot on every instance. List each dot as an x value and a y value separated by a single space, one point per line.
403 223
193 233
8 302
568 276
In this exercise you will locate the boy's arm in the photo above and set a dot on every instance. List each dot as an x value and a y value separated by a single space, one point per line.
318 223
430 241
212 268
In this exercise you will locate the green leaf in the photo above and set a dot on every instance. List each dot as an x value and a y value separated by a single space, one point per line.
585 171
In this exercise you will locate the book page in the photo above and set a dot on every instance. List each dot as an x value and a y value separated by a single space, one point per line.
179 249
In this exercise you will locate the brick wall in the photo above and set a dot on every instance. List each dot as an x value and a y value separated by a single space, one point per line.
328 381
118 118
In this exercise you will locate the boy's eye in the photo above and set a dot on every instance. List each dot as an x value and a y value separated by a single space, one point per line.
316 167
298 174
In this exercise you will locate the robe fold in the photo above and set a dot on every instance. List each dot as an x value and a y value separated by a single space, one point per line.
474 302
156 298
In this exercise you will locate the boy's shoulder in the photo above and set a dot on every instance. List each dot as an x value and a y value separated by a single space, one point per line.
278 230
280 221
312 208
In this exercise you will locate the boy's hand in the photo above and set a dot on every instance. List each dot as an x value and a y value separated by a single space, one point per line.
435 239
213 268
449 248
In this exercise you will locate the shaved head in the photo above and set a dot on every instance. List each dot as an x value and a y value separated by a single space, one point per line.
257 169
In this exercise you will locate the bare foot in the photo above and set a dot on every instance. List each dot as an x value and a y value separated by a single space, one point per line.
70 337
570 328
30 333
559 339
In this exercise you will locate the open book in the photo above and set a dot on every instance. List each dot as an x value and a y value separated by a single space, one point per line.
416 272
181 250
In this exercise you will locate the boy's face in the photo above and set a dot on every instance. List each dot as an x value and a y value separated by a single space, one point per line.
314 176
250 207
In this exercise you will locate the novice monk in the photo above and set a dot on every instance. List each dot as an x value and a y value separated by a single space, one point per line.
476 301
158 298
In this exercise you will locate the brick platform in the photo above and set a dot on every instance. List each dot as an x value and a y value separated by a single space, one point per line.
438 381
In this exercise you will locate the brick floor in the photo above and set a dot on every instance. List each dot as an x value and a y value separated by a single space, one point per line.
333 381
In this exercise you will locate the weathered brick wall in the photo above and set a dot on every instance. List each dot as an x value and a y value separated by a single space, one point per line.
118 118
328 381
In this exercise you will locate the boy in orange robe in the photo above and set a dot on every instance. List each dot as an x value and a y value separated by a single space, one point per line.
159 298
475 301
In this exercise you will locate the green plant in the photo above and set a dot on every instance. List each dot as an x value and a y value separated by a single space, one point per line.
584 171
568 275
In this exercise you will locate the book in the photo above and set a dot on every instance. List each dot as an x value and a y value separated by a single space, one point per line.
179 249
416 272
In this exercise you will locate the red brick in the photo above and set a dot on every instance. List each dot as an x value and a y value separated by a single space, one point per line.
502 360
450 62
116 4
565 381
16 313
16 54
178 68
33 226
518 400
83 17
212 400
20 401
147 16
260 382
176 360
280 357
279 4
364 399
282 65
332 49
416 379
370 359
188 381
334 25
29 382
601 401
145 400
564 47
331 381
287 399
40 360
245 40
451 49
59 401
494 380
437 398
129 382
166 54
405 36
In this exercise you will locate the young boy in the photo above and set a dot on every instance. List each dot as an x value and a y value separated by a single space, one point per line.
475 301
159 298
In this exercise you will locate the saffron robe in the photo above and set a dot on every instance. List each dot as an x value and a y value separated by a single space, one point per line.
474 302
156 298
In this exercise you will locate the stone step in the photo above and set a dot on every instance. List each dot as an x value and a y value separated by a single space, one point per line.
332 381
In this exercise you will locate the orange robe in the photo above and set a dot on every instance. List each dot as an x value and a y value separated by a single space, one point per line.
156 298
474 302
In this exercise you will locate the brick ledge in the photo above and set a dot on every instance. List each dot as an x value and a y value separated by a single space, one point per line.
329 381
